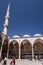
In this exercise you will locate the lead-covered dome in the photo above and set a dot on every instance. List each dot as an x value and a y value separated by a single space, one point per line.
37 35
16 36
26 35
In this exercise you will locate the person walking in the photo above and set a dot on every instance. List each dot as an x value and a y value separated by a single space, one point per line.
2 62
14 60
5 60
11 62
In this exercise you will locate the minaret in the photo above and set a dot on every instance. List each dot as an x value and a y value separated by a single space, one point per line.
6 20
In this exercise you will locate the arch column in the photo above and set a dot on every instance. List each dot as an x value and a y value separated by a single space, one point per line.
1 50
0 43
8 51
1 47
19 51
32 53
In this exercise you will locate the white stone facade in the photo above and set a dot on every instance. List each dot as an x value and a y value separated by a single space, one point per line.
34 45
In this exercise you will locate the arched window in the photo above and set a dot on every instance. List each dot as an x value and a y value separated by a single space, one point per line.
38 49
26 50
14 49
5 48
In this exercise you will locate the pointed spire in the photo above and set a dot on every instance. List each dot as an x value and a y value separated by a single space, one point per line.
7 20
8 11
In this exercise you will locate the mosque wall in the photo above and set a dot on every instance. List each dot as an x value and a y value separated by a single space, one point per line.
21 48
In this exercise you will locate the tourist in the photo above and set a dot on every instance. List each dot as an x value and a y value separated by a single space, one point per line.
11 62
2 62
14 60
5 60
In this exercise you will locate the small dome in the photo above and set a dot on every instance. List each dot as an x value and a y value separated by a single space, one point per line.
16 36
37 35
26 35
8 37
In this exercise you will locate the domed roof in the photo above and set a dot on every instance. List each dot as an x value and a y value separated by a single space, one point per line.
16 36
37 35
26 35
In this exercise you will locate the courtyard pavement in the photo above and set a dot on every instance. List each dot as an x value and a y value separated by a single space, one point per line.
25 62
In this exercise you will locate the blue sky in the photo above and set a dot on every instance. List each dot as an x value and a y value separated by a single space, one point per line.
26 16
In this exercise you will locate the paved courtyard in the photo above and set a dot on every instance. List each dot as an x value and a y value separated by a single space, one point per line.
25 62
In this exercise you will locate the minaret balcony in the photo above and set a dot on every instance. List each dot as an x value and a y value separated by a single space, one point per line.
5 25
7 17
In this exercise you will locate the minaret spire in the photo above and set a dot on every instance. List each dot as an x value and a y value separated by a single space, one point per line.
6 20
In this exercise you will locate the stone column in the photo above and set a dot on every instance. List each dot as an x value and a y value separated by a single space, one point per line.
1 48
32 53
8 51
19 50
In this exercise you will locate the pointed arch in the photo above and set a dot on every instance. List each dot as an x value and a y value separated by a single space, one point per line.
38 49
26 49
14 49
4 48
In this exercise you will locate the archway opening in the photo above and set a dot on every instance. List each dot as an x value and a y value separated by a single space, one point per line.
26 50
14 49
4 48
38 50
